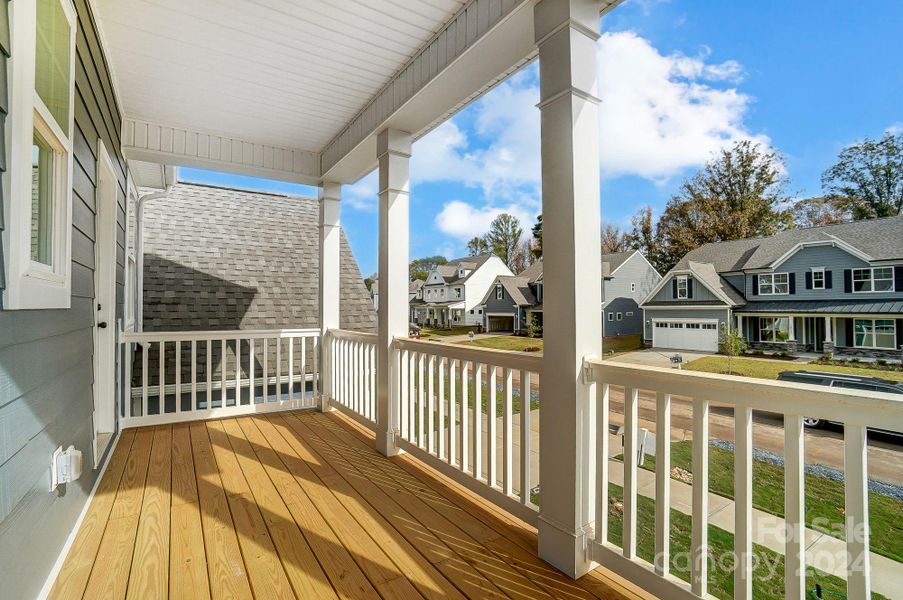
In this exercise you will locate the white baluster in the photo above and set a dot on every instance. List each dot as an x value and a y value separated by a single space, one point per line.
478 421
266 371
144 366
492 435
431 407
743 503
856 511
628 539
291 368
420 399
699 542
602 451
222 374
507 437
278 341
178 376
161 388
662 560
465 415
251 371
453 411
194 374
526 441
441 425
794 508
315 375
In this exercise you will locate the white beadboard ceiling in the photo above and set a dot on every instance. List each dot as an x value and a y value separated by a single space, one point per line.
277 72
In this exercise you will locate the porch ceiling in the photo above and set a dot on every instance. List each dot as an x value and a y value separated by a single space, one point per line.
288 90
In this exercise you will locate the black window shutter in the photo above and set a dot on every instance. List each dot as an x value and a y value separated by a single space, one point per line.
899 333
898 282
828 280
848 331
848 281
808 280
755 285
689 287
792 279
674 288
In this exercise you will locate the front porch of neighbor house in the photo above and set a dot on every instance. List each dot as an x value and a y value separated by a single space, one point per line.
876 335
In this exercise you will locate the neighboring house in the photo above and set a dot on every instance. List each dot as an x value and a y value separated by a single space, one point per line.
415 292
452 293
217 258
627 278
832 289
374 293
514 302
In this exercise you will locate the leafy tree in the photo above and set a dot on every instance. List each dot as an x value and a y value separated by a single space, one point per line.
477 246
642 235
613 239
731 344
818 211
420 268
537 238
867 178
739 194
535 328
524 256
503 238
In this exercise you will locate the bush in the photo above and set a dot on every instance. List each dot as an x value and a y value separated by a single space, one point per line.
535 329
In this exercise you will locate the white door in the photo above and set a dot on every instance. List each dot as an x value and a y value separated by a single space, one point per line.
105 200
685 334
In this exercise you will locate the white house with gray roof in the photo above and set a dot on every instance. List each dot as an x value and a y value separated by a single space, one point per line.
452 292
832 289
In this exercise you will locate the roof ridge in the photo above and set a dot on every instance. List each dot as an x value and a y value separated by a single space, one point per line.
243 190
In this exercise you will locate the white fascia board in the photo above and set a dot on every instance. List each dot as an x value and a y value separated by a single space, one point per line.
667 277
835 242
183 146
480 46
718 293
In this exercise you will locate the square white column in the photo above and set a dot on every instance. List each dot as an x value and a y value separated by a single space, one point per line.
330 269
393 149
566 33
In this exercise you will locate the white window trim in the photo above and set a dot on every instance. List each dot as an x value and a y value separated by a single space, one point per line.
620 316
686 289
32 285
871 280
823 281
873 334
773 292
774 330
632 286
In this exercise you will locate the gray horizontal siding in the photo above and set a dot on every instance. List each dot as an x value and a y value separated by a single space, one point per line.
46 372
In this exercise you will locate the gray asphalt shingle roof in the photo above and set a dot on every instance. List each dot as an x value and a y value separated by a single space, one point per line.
218 258
881 239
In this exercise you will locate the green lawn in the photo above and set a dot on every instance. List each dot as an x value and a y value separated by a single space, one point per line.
768 571
508 342
617 345
824 497
769 369
426 332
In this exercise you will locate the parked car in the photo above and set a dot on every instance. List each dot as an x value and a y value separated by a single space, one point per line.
840 380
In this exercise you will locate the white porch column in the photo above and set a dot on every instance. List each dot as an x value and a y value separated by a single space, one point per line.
393 149
829 334
791 334
566 32
330 253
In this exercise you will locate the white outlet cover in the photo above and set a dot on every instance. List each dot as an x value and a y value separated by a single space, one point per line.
53 459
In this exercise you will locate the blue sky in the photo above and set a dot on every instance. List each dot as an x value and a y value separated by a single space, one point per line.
679 79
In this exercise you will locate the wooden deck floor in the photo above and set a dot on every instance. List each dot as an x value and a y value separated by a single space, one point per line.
297 505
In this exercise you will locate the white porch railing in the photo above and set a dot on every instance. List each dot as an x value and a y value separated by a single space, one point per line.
352 368
188 375
792 400
467 412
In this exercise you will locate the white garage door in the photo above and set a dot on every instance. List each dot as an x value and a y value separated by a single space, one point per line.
685 335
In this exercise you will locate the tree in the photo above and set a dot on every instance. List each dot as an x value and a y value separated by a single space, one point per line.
613 239
867 178
503 237
523 257
731 344
420 268
818 211
537 238
642 234
739 194
477 246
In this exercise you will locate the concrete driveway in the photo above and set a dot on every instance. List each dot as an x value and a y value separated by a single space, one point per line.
656 357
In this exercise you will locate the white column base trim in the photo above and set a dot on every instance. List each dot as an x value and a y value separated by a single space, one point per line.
326 404
568 551
385 443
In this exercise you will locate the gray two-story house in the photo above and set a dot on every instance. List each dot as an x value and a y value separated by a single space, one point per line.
836 289
514 302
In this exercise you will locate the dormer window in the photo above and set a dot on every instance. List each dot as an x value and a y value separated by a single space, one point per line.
498 291
682 287
818 278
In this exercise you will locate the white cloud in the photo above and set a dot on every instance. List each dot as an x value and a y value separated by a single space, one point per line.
464 221
661 114
362 195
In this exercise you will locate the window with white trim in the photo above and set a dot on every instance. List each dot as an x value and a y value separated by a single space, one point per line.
457 292
818 278
774 329
620 316
873 279
611 316
774 284
632 286
874 333
681 287
40 155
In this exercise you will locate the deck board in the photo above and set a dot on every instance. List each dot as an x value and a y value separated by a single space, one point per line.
297 505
